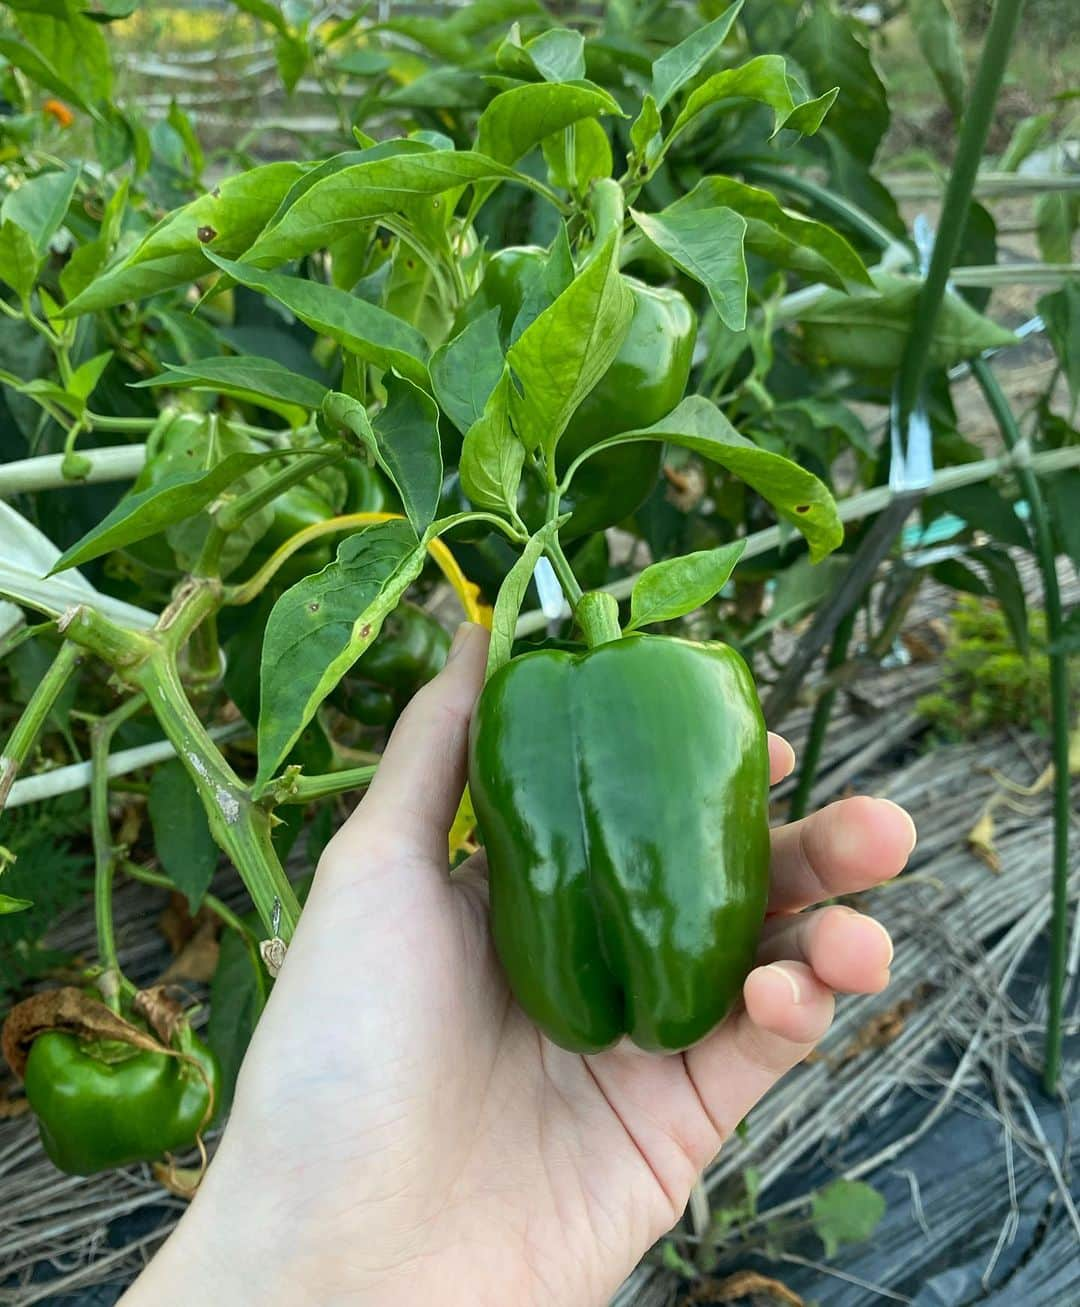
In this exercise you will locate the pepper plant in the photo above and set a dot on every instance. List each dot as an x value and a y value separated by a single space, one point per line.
543 290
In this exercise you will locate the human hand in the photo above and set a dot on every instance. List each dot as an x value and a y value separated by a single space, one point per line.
403 1134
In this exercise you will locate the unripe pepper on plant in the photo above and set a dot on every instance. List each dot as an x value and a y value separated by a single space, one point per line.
408 652
622 793
643 384
104 1103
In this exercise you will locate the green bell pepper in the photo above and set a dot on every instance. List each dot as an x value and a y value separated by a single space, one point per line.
410 649
101 1104
622 793
643 384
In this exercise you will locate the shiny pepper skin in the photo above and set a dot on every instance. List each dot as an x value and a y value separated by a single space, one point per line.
622 793
643 384
101 1105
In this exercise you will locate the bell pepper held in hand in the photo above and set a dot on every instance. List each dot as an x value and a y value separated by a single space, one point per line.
103 1103
622 794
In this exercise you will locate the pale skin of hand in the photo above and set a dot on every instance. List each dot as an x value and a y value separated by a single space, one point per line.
402 1134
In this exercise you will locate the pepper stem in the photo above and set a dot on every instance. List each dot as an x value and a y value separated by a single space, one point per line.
597 613
112 978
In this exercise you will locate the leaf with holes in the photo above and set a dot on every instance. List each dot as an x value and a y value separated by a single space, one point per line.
319 627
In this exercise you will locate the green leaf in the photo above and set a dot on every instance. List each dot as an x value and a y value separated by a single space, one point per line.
466 369
799 588
645 133
783 237
557 55
338 163
511 596
265 12
1062 493
958 576
1057 216
19 260
182 836
1028 134
939 40
492 457
562 355
291 55
404 441
676 67
364 329
187 443
238 994
591 157
520 118
867 333
827 48
86 376
441 88
797 496
676 586
173 253
182 125
410 452
172 499
246 377
38 68
9 905
1060 311
545 286
1008 590
763 79
845 1211
333 206
319 627
75 52
40 205
706 244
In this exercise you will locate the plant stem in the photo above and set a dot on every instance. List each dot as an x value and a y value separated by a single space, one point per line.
101 733
34 716
204 654
239 826
99 422
293 787
819 723
160 881
1059 711
971 142
597 614
564 572
236 513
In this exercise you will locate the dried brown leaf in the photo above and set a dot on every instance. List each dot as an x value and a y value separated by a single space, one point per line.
70 1010
744 1284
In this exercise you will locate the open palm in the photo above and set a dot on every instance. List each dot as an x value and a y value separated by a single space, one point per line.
402 1133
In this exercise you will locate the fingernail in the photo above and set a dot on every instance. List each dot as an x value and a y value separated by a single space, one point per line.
888 938
781 970
907 817
789 762
465 632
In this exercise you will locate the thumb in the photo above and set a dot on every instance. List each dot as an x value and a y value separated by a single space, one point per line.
421 775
